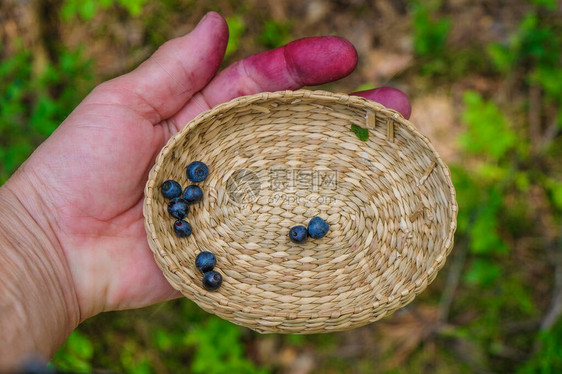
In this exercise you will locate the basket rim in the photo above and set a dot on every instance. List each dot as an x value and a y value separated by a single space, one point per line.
416 287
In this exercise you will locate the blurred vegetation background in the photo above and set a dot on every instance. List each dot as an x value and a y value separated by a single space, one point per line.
485 80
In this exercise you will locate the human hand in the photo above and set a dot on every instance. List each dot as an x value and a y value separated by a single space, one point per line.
84 185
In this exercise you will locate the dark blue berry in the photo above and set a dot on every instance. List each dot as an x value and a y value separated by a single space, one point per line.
212 280
298 234
178 208
182 229
193 194
197 171
318 228
205 261
170 189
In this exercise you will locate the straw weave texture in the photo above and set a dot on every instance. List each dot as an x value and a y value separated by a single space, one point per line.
278 159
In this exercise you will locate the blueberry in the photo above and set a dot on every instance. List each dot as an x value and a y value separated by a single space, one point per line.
298 234
178 208
193 194
182 229
212 280
205 261
197 171
170 189
318 228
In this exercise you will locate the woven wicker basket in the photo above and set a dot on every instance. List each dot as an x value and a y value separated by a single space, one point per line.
278 159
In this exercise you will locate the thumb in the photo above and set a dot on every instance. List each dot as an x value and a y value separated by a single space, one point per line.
161 85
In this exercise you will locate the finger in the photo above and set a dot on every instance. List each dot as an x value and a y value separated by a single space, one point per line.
390 98
304 62
161 85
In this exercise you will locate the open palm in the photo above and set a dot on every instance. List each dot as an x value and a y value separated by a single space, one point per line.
91 172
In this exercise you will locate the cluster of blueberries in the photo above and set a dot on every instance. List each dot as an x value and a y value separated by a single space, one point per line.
178 207
205 262
317 228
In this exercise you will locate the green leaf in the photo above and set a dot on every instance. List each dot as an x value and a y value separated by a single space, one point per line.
468 196
236 28
296 339
218 349
522 181
69 9
547 358
502 57
362 133
487 131
163 340
274 34
538 43
548 4
44 116
75 354
14 156
550 80
87 9
134 7
491 172
482 272
430 32
364 87
519 296
484 236
34 105
555 189
535 44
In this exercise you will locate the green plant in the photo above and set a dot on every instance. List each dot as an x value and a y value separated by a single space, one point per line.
548 4
75 355
218 349
35 100
87 9
536 49
547 359
275 34
34 104
490 139
364 87
134 358
430 32
489 174
236 28
535 43
488 133
500 169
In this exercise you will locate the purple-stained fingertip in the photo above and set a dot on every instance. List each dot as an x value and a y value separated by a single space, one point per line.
390 98
317 60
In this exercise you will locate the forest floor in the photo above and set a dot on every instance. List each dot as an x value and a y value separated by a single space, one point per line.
485 310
